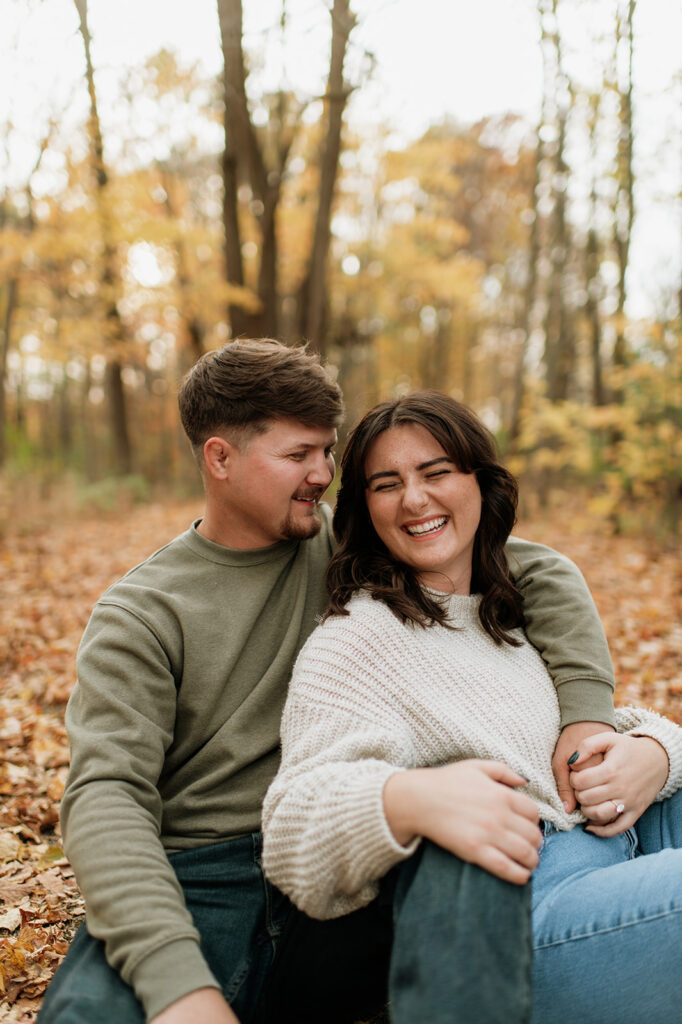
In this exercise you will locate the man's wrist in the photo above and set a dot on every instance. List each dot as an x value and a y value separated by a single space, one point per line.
170 973
586 700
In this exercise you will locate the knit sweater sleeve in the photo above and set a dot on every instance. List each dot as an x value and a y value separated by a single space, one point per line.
563 624
120 722
642 722
326 838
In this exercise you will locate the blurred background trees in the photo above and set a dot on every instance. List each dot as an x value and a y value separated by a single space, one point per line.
489 260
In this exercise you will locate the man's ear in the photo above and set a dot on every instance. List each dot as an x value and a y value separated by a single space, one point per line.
218 454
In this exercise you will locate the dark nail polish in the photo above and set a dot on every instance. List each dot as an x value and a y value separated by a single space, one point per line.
573 758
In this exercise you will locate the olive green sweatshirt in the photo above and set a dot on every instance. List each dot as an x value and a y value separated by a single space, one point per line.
174 722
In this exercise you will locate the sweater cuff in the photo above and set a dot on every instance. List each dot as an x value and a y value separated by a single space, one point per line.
585 700
669 736
169 973
376 849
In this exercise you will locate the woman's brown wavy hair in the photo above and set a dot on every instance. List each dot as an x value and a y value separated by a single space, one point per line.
362 561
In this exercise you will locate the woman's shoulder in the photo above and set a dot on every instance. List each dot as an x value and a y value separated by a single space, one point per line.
369 624
364 616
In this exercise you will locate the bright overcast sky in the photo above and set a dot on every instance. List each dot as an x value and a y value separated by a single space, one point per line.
462 58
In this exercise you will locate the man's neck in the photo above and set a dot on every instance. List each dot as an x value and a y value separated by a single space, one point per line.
228 534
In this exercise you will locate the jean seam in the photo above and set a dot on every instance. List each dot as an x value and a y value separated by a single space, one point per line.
272 929
611 928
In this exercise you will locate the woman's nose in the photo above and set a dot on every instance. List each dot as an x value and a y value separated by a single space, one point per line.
414 496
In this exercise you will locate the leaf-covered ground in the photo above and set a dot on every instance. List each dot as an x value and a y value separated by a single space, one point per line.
51 576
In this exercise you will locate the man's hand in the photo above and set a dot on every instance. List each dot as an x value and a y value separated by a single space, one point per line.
567 745
203 1006
472 809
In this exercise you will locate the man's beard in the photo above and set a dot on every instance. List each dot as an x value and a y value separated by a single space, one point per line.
304 528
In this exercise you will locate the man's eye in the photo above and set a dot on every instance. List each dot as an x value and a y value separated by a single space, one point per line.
298 456
438 472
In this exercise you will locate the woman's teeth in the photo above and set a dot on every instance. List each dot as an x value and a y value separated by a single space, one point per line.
418 530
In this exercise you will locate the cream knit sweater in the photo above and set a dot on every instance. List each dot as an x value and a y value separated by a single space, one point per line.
370 695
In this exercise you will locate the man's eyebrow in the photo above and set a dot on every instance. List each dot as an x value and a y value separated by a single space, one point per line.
421 466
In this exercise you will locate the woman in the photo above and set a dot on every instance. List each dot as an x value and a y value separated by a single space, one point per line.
419 710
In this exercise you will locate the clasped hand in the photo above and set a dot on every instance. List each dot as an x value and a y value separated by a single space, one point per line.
613 770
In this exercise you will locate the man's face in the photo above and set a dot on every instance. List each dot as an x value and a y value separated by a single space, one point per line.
275 482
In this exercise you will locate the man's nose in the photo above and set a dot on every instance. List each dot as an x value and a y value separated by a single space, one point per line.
321 472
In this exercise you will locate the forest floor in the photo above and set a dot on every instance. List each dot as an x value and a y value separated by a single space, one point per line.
54 569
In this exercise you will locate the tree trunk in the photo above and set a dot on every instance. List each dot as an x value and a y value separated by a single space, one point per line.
559 329
624 209
243 160
314 288
528 301
592 261
194 348
8 298
116 334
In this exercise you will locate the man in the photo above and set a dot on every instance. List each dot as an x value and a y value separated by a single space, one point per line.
174 724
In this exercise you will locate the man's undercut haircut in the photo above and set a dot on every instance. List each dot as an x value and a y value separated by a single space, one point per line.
238 389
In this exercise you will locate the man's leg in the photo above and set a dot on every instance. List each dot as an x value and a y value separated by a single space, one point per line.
85 988
334 972
462 946
238 920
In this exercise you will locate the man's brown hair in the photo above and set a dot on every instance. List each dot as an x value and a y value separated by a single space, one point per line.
245 384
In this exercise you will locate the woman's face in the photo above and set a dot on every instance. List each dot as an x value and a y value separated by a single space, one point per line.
422 507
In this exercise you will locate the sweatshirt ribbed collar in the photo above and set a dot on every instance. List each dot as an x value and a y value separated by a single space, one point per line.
218 553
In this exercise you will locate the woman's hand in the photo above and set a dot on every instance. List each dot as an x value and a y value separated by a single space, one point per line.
633 770
471 809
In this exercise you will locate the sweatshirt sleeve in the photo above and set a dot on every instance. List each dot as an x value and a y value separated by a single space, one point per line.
326 841
120 721
642 722
562 622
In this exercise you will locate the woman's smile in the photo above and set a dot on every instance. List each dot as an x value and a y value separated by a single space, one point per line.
427 527
424 509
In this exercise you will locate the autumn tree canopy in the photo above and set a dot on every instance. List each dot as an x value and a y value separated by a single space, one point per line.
491 259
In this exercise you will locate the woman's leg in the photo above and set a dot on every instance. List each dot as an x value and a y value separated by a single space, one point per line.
461 949
660 827
607 928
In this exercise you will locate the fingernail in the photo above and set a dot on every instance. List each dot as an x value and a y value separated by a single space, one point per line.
567 807
573 757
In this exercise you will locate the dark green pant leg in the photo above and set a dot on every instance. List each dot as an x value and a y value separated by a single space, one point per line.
462 944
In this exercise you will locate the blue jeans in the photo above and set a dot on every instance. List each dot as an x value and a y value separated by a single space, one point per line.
460 952
607 923
273 963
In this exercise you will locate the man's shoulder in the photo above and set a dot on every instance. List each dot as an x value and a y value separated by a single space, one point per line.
167 557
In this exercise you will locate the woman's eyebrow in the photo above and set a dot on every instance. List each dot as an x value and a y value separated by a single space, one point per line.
422 465
434 462
385 472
